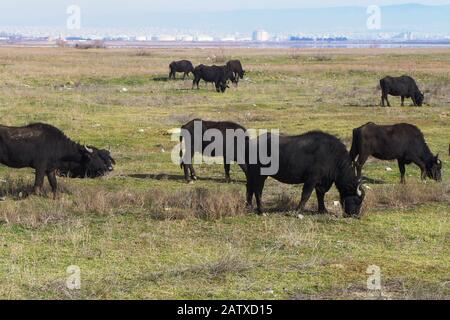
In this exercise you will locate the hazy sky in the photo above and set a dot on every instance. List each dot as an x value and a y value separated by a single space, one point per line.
18 7
145 13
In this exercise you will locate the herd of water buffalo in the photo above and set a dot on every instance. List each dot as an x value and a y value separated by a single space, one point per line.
315 159
219 75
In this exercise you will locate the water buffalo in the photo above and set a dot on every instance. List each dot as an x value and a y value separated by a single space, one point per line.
43 148
317 160
236 67
403 142
184 66
99 165
219 75
189 134
403 86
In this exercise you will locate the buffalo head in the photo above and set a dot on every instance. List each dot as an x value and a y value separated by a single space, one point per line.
96 163
223 85
352 204
434 168
419 97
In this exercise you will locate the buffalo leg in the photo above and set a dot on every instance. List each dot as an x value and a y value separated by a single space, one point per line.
227 167
193 174
258 194
250 193
387 100
403 101
53 183
320 193
359 165
186 172
195 82
422 167
39 181
308 188
401 166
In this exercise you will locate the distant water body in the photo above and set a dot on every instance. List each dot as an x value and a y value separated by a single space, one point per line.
287 44
282 45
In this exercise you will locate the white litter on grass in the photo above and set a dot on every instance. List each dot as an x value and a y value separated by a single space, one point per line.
268 291
300 216
388 169
174 131
141 130
124 90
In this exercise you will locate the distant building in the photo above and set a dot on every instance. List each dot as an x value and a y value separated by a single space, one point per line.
260 36
186 38
228 39
203 38
163 38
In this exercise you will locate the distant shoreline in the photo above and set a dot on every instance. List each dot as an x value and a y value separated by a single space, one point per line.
216 44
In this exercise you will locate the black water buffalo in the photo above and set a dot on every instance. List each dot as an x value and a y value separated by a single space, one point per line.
403 86
100 164
43 148
403 142
317 160
236 67
219 75
184 66
188 134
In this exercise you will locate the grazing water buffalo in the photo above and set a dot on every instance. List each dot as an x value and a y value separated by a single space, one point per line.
317 160
219 75
403 86
99 165
184 66
189 134
403 142
236 67
43 148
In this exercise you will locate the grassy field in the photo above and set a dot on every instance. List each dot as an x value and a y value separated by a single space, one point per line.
142 232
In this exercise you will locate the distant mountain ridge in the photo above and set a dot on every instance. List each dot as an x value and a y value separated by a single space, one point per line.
395 18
